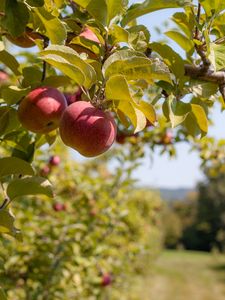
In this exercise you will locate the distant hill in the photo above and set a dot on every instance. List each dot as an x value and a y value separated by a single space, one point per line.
174 194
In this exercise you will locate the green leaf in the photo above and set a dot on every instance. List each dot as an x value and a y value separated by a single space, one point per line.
200 117
148 6
2 294
139 37
185 21
184 42
136 116
13 94
16 17
69 62
117 89
57 81
176 111
7 225
118 34
8 120
14 166
212 7
171 58
55 28
218 55
131 64
29 186
10 61
97 9
35 3
202 89
115 8
31 76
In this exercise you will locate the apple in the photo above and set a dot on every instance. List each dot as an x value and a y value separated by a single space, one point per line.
25 40
71 98
4 78
45 171
167 138
87 34
106 279
54 160
59 206
87 129
40 111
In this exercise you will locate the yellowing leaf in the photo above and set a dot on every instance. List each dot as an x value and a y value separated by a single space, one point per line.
136 116
55 28
200 116
117 89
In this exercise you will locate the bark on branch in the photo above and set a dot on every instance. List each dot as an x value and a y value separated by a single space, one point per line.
207 75
203 74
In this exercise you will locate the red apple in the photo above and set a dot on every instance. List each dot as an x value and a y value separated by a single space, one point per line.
25 40
54 160
40 111
59 207
88 34
106 279
87 129
45 171
4 78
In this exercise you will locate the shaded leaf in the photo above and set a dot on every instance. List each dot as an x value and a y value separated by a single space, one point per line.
10 61
14 166
16 17
7 225
171 58
29 186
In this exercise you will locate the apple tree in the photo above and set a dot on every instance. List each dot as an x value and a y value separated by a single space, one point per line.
86 71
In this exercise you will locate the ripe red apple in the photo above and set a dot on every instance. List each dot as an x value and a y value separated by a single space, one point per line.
4 78
40 111
71 98
87 34
59 206
87 129
25 40
106 279
54 160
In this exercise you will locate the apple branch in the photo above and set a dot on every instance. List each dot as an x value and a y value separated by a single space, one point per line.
202 73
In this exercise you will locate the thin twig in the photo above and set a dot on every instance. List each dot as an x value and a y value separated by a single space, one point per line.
46 42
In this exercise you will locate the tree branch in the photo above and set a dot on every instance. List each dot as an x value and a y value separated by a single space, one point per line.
207 75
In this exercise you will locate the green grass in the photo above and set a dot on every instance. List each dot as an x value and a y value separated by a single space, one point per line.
181 275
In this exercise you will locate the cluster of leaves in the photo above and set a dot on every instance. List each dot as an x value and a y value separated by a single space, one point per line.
103 227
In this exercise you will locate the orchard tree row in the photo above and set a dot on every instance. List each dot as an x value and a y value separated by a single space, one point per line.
95 76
